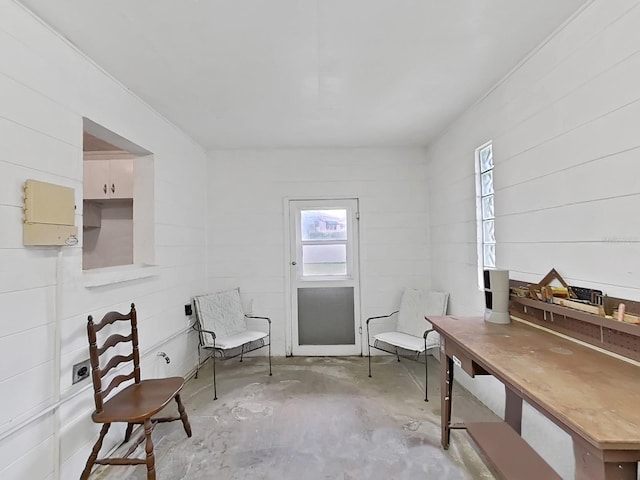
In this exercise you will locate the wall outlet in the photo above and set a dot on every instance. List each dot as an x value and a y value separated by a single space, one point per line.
81 371
187 310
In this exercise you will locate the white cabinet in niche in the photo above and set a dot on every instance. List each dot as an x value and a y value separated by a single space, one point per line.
104 179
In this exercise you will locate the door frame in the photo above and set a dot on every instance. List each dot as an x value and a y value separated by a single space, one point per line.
357 269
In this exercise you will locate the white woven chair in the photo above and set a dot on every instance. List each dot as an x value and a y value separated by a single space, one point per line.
222 327
412 333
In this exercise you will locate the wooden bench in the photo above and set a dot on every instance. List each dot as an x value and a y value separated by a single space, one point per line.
510 456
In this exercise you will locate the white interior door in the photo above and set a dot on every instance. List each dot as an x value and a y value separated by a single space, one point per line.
324 273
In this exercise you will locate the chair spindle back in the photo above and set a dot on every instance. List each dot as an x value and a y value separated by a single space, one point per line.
96 351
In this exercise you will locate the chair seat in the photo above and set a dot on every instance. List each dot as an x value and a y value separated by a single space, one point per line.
139 401
406 341
238 339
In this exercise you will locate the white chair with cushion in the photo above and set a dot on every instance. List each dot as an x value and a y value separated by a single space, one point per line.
412 334
222 327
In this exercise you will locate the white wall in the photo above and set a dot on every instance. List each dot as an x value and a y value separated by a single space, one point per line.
46 87
566 148
246 238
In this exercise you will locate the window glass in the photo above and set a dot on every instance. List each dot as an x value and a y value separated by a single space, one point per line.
487 182
324 260
488 233
487 207
486 158
323 225
489 255
486 210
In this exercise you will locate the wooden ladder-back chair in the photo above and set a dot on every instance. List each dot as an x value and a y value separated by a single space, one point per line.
136 403
411 334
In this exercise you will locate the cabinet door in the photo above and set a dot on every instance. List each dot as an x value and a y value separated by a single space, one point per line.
96 179
121 182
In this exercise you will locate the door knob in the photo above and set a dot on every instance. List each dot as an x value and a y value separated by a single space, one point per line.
293 263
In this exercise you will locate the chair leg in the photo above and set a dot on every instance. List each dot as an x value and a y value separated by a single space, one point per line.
215 389
397 354
242 352
183 416
94 453
426 371
269 348
127 434
198 366
369 349
150 460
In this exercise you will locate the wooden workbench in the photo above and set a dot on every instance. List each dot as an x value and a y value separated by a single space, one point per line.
593 396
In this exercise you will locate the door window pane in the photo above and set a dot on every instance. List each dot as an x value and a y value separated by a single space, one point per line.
324 260
323 225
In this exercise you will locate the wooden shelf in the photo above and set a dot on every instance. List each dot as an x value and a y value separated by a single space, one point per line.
507 452
611 335
582 316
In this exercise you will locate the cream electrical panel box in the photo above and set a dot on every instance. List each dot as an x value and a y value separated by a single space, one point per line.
49 214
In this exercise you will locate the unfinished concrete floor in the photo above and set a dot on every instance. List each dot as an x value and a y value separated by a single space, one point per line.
315 418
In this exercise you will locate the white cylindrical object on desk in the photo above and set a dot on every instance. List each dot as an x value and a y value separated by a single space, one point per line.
496 294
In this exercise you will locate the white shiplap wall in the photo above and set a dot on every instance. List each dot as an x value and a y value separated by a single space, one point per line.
246 238
46 87
567 178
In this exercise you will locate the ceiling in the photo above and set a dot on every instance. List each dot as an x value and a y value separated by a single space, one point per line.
307 73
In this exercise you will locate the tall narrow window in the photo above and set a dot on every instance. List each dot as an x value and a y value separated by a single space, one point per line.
485 210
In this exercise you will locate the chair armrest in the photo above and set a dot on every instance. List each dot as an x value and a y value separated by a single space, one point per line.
427 332
259 318
197 328
380 316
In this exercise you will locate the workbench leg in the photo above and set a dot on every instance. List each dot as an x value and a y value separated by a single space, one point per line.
513 410
446 389
590 467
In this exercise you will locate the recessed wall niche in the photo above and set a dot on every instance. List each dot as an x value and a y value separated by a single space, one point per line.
118 195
